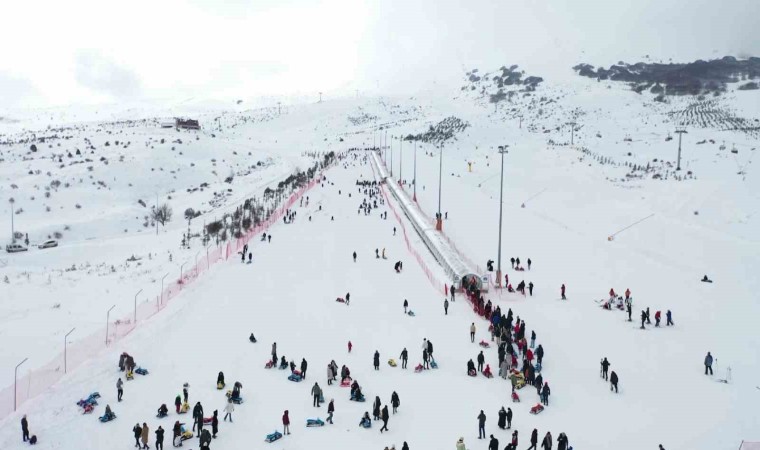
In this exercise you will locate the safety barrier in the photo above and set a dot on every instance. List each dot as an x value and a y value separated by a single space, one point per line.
36 381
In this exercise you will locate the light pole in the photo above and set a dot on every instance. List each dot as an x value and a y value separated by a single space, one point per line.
15 378
400 158
65 344
181 281
502 151
680 132
439 219
108 314
138 293
414 196
161 298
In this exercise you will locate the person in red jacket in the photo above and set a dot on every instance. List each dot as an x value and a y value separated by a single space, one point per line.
350 346
657 317
529 355
627 294
612 293
285 423
562 290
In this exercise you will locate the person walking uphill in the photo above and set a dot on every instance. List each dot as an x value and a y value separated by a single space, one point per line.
605 367
384 415
138 434
472 332
446 307
481 425
614 382
404 358
533 440
144 435
546 444
24 429
395 402
119 389
708 363
304 365
316 391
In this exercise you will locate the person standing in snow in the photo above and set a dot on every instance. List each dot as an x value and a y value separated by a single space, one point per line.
546 444
472 332
562 443
529 263
532 338
229 408
460 444
509 418
160 438
613 382
538 383
643 318
350 346
502 423
24 429
649 322
274 355
404 358
430 348
512 260
354 256
376 360
605 367
316 391
376 408
144 435
330 411
137 433
348 298
481 361
481 425
545 392
493 444
329 374
119 389
425 359
452 289
539 354
304 365
198 417
385 417
669 318
629 309
395 402
177 403
708 363
406 306
533 440
445 307
530 288
285 423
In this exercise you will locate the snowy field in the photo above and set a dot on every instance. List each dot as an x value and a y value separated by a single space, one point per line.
561 205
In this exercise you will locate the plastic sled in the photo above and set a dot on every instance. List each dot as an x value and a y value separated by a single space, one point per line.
269 365
294 377
365 423
392 362
314 423
321 398
130 375
340 300
433 364
537 409
297 372
186 435
105 418
141 371
346 382
184 408
283 366
537 368
220 386
161 416
484 344
515 398
488 374
359 399
237 400
207 420
273 436
87 409
418 368
411 313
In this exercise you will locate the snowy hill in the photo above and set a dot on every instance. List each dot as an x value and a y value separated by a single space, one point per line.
565 205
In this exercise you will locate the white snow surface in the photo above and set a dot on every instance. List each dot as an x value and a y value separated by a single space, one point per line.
572 204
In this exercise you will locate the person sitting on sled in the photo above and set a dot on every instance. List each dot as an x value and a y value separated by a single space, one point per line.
509 288
283 363
252 338
470 367
366 421
487 371
109 413
163 411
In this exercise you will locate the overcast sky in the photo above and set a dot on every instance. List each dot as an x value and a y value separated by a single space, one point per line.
84 51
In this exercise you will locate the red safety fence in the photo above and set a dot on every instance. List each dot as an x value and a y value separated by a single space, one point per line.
36 381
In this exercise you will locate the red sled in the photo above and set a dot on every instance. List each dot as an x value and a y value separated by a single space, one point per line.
484 344
515 398
346 382
537 409
340 299
269 365
418 368
207 420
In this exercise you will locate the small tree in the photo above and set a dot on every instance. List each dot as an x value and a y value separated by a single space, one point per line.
162 214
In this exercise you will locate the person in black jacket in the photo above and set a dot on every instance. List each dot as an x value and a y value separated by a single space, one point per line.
376 409
509 418
406 305
24 428
385 418
395 402
546 444
198 417
533 440
377 360
481 425
502 418
481 361
430 349
137 430
425 359
494 444
614 381
404 358
539 353
215 424
545 392
470 367
605 367
562 440
160 438
304 365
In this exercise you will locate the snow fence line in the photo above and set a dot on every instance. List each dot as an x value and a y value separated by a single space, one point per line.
36 381
451 260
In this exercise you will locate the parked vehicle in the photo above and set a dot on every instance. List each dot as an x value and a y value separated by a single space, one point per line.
48 244
15 248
